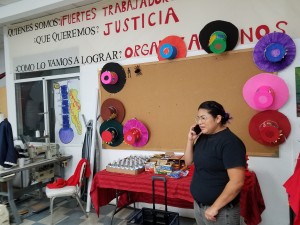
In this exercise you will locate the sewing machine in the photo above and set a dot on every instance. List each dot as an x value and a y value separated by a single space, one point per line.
45 151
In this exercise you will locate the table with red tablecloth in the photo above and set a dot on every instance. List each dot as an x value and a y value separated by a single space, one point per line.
106 184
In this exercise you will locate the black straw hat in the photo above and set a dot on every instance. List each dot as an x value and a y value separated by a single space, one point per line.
218 36
112 77
111 132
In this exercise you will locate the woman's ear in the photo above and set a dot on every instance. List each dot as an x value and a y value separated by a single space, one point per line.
219 118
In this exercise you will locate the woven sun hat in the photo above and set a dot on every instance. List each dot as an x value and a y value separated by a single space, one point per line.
135 133
112 77
265 91
112 109
111 132
269 127
274 52
218 36
171 47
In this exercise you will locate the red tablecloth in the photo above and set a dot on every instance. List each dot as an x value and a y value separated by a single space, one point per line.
105 184
251 199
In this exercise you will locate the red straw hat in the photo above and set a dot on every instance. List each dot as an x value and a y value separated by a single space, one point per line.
171 47
269 127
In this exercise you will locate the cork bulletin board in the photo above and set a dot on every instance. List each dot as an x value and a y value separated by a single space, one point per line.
165 96
3 102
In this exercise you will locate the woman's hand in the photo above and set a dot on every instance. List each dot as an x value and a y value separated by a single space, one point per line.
211 213
192 136
188 155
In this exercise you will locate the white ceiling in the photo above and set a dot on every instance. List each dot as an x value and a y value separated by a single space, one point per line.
2 4
5 2
17 11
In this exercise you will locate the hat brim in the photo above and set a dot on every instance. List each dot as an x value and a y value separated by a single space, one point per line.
228 28
175 41
118 105
282 121
119 70
2 75
118 127
265 79
134 123
259 52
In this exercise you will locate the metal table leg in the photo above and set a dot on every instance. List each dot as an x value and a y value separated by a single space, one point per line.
11 202
116 210
10 197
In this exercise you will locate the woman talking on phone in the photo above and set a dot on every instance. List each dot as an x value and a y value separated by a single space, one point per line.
219 157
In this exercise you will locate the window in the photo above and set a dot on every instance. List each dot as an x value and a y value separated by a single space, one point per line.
30 109
38 108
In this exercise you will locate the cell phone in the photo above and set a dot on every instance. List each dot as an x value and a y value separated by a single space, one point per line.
197 129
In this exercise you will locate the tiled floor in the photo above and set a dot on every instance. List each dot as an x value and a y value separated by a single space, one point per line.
66 212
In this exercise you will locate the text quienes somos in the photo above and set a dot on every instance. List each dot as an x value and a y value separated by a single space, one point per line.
72 18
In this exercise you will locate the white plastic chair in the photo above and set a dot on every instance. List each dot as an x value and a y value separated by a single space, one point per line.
67 191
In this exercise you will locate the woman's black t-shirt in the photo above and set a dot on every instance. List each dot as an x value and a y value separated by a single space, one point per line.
213 155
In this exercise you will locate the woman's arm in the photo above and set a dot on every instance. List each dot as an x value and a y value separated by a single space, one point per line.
188 155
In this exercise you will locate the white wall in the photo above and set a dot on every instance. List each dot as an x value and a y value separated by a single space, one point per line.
271 172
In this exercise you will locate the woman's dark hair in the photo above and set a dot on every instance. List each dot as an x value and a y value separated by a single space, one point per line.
214 108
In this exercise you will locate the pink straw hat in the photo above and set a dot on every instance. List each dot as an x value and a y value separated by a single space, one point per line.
265 92
135 133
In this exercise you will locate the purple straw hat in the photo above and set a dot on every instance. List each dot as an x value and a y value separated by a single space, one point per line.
274 52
